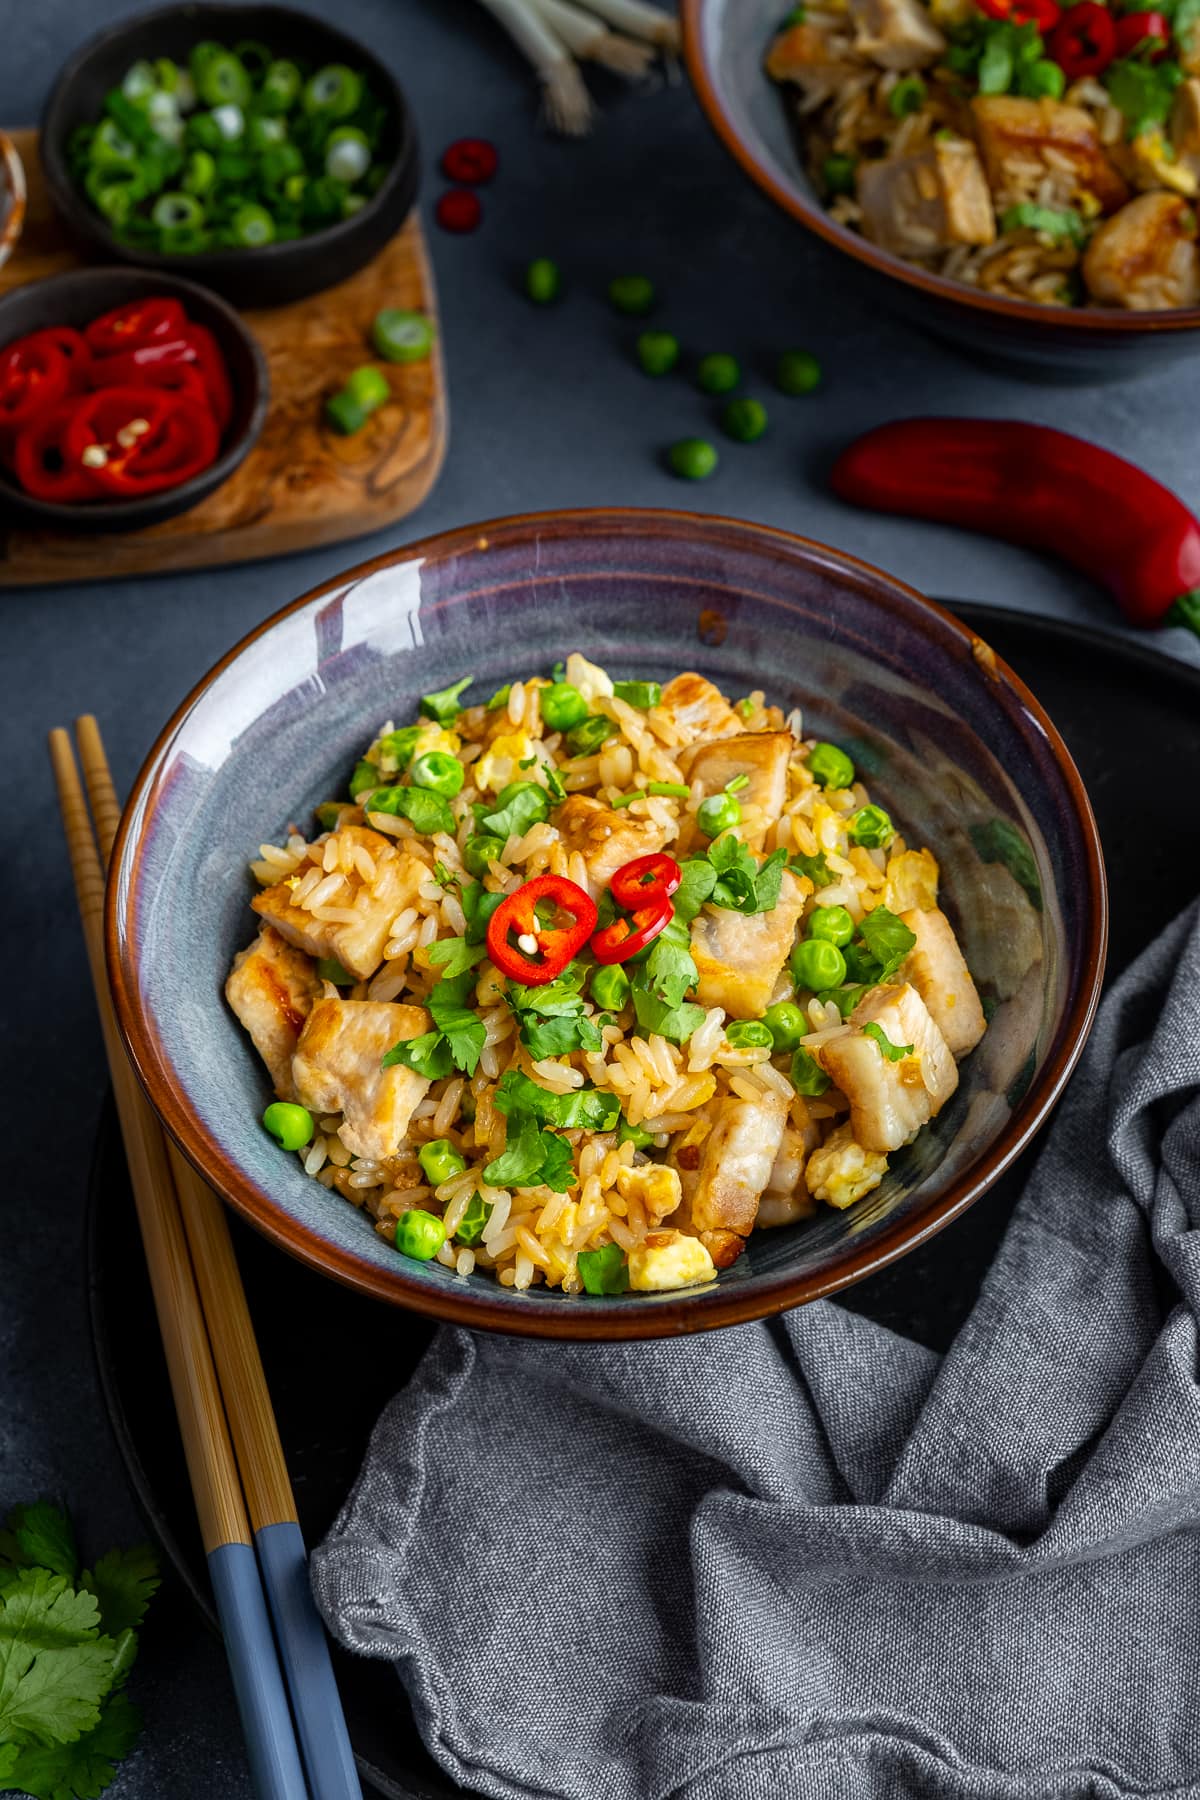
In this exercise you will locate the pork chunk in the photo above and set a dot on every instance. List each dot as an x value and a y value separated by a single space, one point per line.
1014 132
337 1068
739 955
928 201
937 969
787 1198
271 988
815 58
762 756
735 1163
896 34
1144 258
605 839
841 1171
890 1101
699 708
369 904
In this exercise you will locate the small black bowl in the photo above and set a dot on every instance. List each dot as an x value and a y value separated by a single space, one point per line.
78 298
276 273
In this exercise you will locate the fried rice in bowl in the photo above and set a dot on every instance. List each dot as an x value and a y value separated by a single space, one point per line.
652 922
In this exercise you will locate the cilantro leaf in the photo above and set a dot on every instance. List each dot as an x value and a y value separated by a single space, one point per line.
558 1036
654 1015
697 883
55 1668
1142 91
425 811
456 955
887 939
585 1109
478 906
998 841
443 706
741 885
519 805
395 750
815 867
40 1536
427 1055
558 1163
769 880
124 1582
520 1161
1184 23
562 995
81 1770
1052 222
893 1052
670 968
459 1024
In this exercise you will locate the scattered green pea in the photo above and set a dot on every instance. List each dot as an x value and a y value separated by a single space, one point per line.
419 1234
829 766
718 373
439 1160
720 812
438 771
908 96
481 852
543 281
872 828
797 372
808 1077
749 1034
786 1023
692 459
563 706
291 1126
744 420
838 173
610 987
657 352
833 923
816 964
632 294
635 1135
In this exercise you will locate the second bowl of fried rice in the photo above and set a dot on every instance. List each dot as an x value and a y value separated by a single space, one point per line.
606 924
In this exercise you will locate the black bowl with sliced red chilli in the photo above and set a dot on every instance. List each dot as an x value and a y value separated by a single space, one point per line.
125 399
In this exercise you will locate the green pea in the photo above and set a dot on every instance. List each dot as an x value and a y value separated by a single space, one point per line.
720 812
749 1034
439 1160
438 771
808 1077
657 352
692 459
590 734
471 1225
718 373
817 964
744 420
633 1134
563 706
829 766
481 852
833 923
610 987
871 827
419 1234
838 174
786 1023
543 281
797 372
291 1126
908 96
633 294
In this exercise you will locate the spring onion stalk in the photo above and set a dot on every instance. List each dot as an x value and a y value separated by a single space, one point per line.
588 37
567 102
639 20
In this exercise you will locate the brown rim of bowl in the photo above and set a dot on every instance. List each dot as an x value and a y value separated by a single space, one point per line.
814 216
12 222
664 1318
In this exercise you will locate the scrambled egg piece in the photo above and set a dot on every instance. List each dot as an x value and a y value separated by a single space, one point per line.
657 1187
912 880
669 1259
841 1171
501 761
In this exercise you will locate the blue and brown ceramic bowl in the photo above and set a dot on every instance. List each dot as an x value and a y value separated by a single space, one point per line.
956 747
724 44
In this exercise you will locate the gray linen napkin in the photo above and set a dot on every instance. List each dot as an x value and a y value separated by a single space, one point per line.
812 1560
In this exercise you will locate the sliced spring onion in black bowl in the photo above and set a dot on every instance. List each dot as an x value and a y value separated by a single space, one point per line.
254 149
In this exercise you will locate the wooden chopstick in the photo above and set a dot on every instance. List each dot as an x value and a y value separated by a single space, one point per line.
303 1646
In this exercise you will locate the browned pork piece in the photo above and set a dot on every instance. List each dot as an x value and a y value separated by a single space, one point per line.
896 34
817 60
374 881
762 757
1144 257
928 201
739 956
696 705
271 988
890 1100
724 1176
337 1068
604 838
787 1198
1059 141
937 969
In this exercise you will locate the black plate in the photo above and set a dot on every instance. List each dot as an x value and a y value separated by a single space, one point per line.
1132 720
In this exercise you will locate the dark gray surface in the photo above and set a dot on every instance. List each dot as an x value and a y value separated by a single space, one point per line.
543 413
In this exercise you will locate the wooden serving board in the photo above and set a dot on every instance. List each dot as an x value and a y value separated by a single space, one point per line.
301 485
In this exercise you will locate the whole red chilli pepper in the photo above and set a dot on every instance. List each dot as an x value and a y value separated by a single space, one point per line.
1036 486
